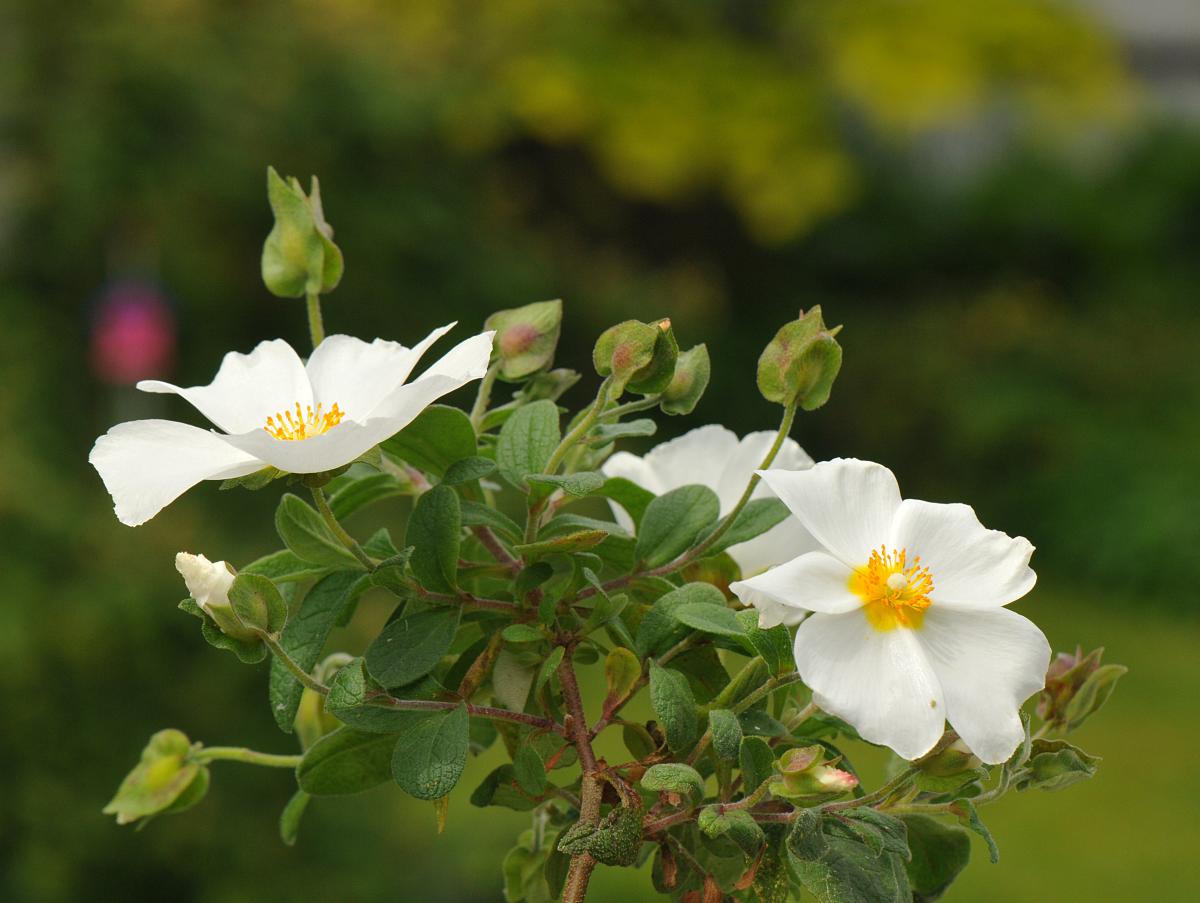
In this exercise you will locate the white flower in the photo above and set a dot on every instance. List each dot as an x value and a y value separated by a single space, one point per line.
714 457
909 629
207 581
277 411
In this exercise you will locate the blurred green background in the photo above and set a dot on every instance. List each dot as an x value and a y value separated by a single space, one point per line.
1001 202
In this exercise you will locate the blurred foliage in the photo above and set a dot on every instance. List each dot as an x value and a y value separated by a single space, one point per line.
1020 330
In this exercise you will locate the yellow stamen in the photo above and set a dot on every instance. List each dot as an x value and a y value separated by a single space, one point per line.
303 424
895 593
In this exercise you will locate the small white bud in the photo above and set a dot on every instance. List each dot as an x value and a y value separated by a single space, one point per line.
207 581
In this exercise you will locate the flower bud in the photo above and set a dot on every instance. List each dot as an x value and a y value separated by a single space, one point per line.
1077 685
954 759
208 582
692 371
525 338
299 256
640 356
801 362
163 781
804 775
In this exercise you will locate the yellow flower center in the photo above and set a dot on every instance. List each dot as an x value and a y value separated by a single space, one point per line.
303 424
895 592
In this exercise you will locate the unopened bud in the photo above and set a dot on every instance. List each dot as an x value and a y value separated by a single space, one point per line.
637 355
1077 685
299 256
208 582
163 781
801 362
954 759
803 775
525 338
692 372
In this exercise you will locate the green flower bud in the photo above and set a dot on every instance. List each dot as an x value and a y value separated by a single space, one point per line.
1077 685
954 759
656 376
627 350
525 338
801 362
299 256
804 775
692 372
163 781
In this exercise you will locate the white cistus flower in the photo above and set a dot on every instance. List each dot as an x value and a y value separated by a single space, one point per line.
207 581
909 629
714 457
275 410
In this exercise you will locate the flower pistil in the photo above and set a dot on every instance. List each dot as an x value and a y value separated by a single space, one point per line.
895 592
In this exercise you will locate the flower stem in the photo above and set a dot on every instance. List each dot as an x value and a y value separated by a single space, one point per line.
339 531
484 397
316 325
241 754
581 428
292 665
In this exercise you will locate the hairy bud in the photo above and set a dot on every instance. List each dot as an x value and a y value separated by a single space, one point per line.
692 371
525 338
299 256
801 362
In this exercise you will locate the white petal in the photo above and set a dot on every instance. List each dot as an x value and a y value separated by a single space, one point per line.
815 581
747 458
247 388
972 566
770 612
147 464
845 503
878 681
988 662
349 439
698 456
786 540
357 375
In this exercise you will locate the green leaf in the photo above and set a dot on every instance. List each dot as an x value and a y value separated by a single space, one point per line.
475 514
548 667
410 647
630 429
675 777
468 470
438 437
499 788
880 832
757 762
576 484
773 645
673 522
434 529
738 824
1055 765
511 680
605 610
289 818
304 637
969 818
939 853
284 566
529 770
256 601
522 633
675 707
527 440
346 761
431 753
1092 695
304 532
806 841
660 629
622 670
629 495
848 872
714 619
614 841
347 700
726 733
358 494
572 542
759 516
